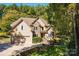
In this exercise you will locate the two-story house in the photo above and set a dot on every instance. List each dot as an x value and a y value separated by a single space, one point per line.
24 29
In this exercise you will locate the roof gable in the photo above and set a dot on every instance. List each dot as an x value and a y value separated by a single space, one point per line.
28 21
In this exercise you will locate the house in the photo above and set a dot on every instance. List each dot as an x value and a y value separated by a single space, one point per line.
24 29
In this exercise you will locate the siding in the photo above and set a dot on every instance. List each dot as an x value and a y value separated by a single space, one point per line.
25 32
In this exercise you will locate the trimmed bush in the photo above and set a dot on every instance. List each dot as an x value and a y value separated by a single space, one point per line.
37 39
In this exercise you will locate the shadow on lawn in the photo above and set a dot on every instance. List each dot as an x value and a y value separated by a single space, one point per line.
4 46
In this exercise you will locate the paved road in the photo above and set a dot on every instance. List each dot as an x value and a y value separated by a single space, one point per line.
4 46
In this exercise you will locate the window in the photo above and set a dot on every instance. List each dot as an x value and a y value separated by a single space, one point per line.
35 28
42 28
50 34
21 27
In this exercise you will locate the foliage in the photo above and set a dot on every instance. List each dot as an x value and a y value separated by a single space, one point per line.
49 50
63 19
37 39
3 34
59 15
10 13
57 50
4 40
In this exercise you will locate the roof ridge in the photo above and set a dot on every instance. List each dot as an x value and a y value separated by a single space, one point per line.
35 20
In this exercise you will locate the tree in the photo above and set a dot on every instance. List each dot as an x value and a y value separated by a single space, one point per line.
2 6
62 19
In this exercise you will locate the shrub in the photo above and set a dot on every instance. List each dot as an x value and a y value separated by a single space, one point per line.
37 39
4 35
56 50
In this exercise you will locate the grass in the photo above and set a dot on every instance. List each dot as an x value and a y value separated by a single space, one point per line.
4 37
5 40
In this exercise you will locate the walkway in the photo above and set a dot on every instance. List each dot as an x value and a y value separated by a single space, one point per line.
10 49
